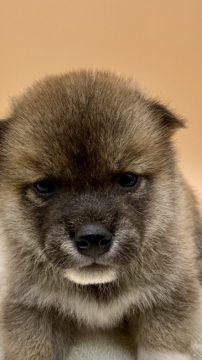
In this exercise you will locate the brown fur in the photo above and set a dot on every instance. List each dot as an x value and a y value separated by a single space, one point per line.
82 130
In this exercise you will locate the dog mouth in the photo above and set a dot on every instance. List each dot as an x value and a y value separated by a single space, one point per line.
95 267
93 273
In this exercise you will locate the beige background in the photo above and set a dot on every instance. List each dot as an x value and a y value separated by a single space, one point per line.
158 42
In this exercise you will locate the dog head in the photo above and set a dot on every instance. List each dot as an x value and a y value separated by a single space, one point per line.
88 178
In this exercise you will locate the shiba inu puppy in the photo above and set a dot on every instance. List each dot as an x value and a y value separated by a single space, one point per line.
100 232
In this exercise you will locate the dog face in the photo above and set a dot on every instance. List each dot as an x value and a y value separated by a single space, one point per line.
88 179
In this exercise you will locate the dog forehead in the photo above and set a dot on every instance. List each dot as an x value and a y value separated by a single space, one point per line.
81 121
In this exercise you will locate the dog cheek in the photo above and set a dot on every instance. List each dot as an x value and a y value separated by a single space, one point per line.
58 247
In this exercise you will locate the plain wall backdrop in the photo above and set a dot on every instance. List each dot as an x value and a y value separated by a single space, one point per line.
158 43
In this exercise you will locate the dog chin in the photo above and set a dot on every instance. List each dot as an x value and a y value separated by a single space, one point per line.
93 274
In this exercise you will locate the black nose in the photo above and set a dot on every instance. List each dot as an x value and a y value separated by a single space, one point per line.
93 240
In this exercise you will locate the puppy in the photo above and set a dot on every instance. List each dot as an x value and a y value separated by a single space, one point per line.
100 232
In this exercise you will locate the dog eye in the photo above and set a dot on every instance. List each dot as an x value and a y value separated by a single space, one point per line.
128 180
44 187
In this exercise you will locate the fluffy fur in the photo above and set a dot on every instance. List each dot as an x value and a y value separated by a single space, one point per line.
81 131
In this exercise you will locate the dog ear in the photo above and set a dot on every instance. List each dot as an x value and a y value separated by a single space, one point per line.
168 120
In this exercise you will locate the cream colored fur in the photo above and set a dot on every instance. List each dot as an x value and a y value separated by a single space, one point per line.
102 347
